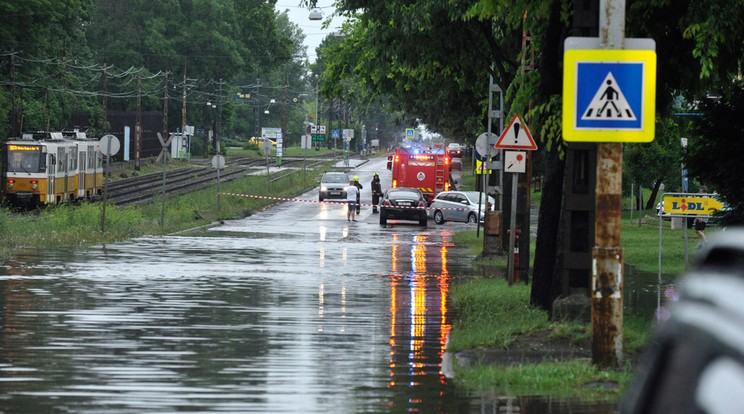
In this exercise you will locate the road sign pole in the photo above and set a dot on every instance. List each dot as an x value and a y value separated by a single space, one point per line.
512 229
607 255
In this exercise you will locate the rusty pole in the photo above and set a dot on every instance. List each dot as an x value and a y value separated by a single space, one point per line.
607 255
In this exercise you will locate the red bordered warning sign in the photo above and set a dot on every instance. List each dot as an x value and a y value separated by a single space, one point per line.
516 136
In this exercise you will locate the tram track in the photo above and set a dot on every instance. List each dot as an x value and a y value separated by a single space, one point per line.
146 188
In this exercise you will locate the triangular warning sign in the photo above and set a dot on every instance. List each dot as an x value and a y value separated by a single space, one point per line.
609 103
516 136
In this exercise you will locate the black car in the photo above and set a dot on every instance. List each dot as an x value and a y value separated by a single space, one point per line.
403 203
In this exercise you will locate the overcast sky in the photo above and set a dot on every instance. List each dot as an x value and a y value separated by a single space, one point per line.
314 35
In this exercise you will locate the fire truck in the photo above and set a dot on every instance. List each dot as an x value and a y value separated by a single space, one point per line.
422 168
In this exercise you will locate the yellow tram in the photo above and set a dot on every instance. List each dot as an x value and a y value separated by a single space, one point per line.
52 167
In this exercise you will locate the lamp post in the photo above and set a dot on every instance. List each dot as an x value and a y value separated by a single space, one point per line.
317 102
315 15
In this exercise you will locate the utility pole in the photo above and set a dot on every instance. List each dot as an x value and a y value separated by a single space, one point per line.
183 107
607 255
165 106
138 125
105 99
258 107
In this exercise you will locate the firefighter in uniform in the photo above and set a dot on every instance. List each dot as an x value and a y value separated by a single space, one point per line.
376 192
359 194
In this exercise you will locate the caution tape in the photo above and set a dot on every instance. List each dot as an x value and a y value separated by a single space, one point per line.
341 203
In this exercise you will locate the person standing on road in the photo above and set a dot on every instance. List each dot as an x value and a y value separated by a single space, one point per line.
359 187
352 195
376 192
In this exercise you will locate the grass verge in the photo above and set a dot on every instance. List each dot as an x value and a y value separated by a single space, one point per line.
494 315
78 225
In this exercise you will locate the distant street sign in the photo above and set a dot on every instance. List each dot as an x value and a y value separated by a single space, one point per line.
410 133
109 145
348 134
515 161
483 151
218 162
516 136
609 95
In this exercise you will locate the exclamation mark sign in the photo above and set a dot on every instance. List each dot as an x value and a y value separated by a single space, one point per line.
516 132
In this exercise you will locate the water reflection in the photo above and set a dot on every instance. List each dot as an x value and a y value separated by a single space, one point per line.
419 324
326 318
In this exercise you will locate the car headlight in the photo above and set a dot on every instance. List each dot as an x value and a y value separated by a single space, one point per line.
323 188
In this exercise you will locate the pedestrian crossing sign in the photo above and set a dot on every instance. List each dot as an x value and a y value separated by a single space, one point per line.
609 95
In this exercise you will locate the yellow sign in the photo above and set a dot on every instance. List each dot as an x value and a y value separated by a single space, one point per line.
691 206
609 95
480 167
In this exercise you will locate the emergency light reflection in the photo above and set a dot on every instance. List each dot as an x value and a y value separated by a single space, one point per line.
419 320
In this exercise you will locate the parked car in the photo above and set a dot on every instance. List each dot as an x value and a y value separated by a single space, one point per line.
333 185
403 203
460 206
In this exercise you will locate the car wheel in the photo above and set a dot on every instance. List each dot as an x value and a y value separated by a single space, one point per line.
438 217
383 218
471 218
423 222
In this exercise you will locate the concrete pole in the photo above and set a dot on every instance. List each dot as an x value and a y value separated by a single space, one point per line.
607 255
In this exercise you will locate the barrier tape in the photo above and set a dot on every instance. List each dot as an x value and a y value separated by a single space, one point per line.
341 203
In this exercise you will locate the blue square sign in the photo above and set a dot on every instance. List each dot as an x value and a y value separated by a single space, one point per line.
609 95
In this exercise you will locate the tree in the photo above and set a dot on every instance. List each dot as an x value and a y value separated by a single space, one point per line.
412 53
716 150
32 33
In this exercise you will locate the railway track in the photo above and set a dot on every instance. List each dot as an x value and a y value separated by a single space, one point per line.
146 188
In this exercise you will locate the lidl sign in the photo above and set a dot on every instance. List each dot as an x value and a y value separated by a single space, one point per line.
690 205
609 95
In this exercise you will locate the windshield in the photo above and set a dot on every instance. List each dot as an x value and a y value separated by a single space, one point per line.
24 158
335 178
473 196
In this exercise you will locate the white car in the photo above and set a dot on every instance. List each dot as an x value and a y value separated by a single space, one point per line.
460 206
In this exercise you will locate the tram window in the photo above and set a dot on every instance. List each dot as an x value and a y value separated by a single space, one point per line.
30 162
16 162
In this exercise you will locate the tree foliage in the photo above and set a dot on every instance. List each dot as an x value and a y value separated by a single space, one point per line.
97 55
716 149
428 57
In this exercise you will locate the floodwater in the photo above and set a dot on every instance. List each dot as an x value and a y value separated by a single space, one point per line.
292 310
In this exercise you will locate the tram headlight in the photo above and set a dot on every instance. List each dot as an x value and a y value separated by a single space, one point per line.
34 184
10 184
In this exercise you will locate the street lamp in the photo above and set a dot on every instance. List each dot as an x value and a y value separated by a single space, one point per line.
266 111
315 15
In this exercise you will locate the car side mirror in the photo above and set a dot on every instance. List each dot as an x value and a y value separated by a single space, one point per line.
464 202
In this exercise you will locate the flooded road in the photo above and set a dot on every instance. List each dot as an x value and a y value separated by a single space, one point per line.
291 310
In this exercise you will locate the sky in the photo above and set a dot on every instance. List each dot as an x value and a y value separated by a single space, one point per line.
314 35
